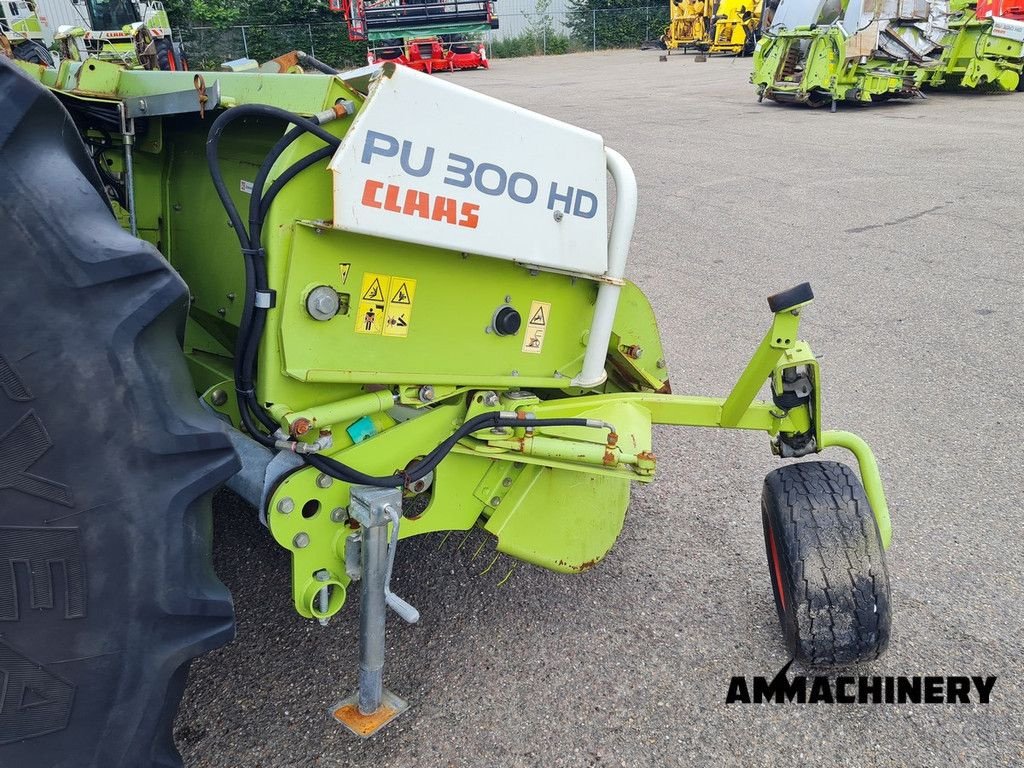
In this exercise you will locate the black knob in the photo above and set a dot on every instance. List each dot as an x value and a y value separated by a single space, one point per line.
507 321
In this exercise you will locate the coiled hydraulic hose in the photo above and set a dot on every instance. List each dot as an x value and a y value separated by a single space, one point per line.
253 321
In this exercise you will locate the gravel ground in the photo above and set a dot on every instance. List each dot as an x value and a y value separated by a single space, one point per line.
906 218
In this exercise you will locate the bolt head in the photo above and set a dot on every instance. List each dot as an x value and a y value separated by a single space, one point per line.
324 481
559 215
323 303
491 399
323 575
301 540
339 515
507 482
285 505
219 397
495 501
426 393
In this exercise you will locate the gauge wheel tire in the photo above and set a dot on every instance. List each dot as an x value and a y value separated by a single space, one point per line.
826 563
107 466
33 52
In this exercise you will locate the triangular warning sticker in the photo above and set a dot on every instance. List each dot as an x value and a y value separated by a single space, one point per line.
538 317
374 291
344 272
401 295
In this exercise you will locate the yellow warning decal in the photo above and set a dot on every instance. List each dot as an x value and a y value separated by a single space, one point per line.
536 327
344 268
385 304
373 300
399 312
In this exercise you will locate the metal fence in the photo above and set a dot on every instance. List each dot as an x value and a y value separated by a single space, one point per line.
520 33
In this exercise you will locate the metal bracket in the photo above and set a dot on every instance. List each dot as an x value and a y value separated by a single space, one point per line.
177 103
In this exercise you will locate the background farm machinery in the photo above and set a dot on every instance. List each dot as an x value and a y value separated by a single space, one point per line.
427 35
726 26
21 34
136 33
815 52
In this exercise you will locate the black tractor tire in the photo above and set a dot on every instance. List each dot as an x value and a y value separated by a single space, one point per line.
826 563
107 466
33 52
166 56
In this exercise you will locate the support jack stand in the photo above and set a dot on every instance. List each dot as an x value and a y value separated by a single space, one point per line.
372 707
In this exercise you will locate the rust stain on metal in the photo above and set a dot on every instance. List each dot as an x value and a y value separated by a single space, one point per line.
286 61
627 375
646 457
609 458
613 439
666 388
586 565
364 725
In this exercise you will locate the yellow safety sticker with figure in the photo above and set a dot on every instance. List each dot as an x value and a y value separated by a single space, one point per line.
385 304
536 327
399 312
373 300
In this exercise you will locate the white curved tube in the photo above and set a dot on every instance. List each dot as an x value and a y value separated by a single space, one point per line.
623 219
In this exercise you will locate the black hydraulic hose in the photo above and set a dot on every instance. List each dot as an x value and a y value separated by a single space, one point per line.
429 462
257 213
308 61
256 210
255 220
250 249
290 173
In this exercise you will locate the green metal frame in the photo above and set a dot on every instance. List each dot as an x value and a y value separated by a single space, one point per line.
973 57
827 74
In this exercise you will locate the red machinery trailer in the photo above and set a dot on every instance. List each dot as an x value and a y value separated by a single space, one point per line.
428 35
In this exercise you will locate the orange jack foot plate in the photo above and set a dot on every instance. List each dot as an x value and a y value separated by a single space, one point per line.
347 713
